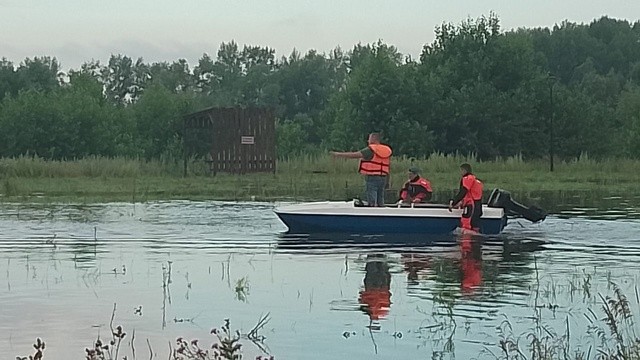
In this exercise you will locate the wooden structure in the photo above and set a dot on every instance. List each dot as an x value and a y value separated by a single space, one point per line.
240 140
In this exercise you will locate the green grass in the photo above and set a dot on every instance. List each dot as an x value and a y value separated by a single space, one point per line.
99 179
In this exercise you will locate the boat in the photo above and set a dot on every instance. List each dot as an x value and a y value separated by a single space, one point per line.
356 217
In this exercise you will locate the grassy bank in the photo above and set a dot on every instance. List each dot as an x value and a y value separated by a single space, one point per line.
303 178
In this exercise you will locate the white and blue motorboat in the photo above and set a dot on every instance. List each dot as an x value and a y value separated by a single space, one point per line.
356 217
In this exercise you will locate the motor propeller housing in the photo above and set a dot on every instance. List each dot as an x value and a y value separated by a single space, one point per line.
502 199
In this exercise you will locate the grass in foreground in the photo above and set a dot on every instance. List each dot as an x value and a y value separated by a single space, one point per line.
304 178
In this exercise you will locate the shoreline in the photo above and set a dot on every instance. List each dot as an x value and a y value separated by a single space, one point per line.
249 188
92 180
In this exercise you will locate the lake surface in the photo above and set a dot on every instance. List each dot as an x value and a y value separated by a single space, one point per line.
178 269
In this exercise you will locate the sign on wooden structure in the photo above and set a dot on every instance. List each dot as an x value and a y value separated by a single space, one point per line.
243 140
247 140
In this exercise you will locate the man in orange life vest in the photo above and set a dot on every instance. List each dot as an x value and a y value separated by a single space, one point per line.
470 197
416 190
374 165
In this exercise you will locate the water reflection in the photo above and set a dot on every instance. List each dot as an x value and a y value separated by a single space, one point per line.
317 243
413 296
471 263
375 299
446 269
466 260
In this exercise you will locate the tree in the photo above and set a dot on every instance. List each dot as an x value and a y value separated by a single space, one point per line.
378 97
628 113
39 73
70 122
124 79
175 77
482 90
306 84
8 79
474 89
158 121
291 137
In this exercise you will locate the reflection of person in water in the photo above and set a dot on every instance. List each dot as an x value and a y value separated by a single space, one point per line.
471 262
375 299
414 263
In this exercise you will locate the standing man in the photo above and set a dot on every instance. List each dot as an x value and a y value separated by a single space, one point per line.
470 197
374 165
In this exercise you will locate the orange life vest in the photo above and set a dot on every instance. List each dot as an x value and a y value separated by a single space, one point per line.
379 164
474 189
419 181
377 301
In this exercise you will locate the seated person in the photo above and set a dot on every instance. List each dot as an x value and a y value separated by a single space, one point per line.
416 190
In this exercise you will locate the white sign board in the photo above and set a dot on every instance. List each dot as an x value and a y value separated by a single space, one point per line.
247 140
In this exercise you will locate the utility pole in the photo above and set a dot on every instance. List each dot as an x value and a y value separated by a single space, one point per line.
551 111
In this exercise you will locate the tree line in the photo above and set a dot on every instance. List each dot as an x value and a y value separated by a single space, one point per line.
475 89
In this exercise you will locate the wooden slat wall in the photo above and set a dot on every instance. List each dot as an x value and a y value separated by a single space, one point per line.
227 126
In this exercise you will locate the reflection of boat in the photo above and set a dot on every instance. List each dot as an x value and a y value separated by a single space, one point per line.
320 243
355 217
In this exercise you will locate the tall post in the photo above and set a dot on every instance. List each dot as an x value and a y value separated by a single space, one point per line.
184 147
551 111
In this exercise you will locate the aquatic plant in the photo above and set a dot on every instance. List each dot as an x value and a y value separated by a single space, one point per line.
39 346
111 349
614 336
242 288
227 346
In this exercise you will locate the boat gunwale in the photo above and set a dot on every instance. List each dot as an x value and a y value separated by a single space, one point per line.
406 212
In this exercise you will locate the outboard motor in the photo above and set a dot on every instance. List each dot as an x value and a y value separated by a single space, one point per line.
502 199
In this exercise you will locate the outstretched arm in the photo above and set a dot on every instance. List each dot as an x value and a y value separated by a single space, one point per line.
348 155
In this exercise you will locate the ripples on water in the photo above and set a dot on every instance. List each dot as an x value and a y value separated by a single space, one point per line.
332 296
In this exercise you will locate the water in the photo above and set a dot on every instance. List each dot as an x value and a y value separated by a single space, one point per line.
63 267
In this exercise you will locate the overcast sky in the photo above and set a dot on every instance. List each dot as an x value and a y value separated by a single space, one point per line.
76 31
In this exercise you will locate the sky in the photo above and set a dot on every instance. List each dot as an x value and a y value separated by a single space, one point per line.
77 31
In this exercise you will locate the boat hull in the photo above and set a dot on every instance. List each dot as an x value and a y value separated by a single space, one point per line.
344 217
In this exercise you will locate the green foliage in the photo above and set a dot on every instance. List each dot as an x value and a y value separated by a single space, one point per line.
628 113
72 122
291 136
475 89
375 99
157 117
8 79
